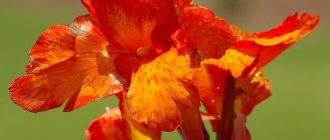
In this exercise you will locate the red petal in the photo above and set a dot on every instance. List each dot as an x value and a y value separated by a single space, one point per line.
116 124
110 126
53 46
124 26
209 80
271 43
251 91
96 64
210 34
49 89
287 26
125 63
87 73
181 4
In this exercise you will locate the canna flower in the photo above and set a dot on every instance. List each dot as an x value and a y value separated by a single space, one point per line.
161 58
242 64
126 45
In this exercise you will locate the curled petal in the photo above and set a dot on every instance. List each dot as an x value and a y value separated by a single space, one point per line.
305 22
268 45
210 34
159 86
233 61
82 78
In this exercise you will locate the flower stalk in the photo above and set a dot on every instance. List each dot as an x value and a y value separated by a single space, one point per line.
225 125
192 126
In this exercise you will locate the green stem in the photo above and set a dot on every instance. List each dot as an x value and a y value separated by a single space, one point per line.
206 134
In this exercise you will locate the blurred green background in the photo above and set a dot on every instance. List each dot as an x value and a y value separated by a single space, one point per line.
298 109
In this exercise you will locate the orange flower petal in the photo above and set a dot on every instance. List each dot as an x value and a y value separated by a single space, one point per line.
167 23
210 34
133 30
210 77
87 73
271 43
290 24
139 131
121 23
96 64
250 91
53 46
233 61
159 86
47 90
209 80
210 87
110 126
